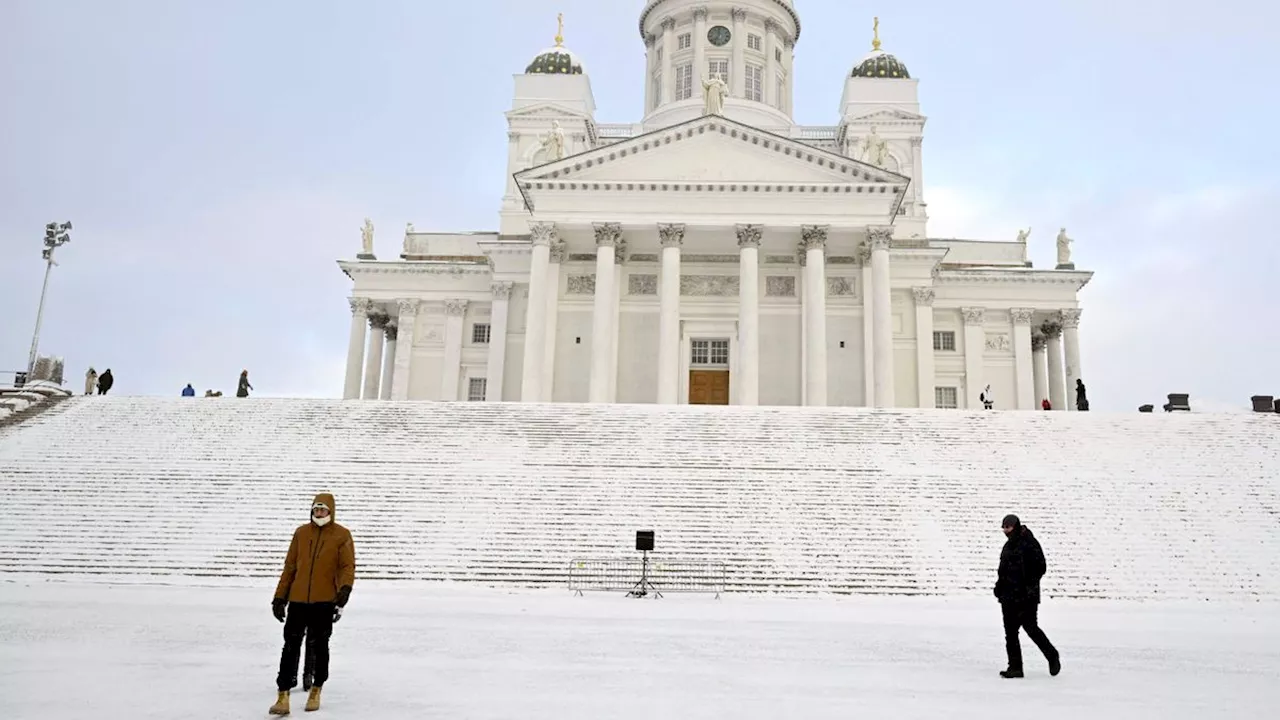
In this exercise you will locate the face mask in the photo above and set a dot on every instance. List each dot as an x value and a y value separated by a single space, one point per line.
321 521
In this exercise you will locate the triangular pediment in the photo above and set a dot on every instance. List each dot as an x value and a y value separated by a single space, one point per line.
544 110
711 149
885 115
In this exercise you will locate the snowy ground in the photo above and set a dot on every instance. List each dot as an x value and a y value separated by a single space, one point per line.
411 651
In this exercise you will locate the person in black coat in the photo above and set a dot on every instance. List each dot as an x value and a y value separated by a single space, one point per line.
1022 565
105 381
1082 396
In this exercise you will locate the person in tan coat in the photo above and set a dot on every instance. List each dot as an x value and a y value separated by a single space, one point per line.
314 588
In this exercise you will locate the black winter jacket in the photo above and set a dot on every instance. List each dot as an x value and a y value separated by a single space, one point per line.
1021 567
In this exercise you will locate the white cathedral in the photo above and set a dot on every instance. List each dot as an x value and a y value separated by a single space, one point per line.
715 252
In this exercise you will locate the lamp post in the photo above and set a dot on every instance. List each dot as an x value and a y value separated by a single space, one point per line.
55 236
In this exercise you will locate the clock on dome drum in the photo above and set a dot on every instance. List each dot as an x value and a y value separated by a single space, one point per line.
719 35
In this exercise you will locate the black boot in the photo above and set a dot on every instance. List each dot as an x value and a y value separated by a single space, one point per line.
1055 666
1011 674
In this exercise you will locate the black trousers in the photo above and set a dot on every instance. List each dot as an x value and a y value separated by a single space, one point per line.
315 621
1023 615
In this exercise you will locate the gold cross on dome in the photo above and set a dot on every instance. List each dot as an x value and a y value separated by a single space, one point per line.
560 30
875 41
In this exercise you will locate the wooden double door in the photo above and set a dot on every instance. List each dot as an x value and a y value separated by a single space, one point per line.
708 387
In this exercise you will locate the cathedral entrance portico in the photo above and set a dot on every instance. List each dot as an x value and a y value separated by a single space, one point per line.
709 358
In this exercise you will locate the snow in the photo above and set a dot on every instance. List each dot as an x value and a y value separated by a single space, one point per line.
414 650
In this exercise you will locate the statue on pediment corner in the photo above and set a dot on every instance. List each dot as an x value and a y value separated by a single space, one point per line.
366 237
874 149
1064 247
1023 235
714 91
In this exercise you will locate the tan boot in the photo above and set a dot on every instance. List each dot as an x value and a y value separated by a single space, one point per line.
313 700
282 704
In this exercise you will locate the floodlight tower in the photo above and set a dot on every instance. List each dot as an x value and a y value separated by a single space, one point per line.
55 236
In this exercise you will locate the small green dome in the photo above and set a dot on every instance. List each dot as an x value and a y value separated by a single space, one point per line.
558 60
880 64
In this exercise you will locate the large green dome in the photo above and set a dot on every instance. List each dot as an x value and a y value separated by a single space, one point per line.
878 63
558 60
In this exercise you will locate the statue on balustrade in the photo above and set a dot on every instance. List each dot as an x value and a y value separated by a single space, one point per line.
715 91
1064 248
366 238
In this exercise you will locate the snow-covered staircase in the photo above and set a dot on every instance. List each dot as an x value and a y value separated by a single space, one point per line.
1180 505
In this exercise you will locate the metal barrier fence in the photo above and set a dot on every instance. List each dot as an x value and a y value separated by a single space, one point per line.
664 575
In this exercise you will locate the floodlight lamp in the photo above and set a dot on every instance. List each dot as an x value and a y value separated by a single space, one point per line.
66 225
51 227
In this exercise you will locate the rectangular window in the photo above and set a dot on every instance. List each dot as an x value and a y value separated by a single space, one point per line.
944 398
480 333
685 41
944 340
755 43
684 81
755 83
719 68
476 388
709 352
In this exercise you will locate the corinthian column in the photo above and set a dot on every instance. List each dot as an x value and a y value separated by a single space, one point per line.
882 314
749 314
668 62
355 347
1039 376
558 252
455 312
975 344
738 67
868 329
602 322
699 48
389 362
672 238
1022 364
542 234
406 325
373 363
924 347
1053 335
814 241
496 370
1071 345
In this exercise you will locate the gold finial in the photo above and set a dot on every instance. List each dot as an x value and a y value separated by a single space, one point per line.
560 30
875 41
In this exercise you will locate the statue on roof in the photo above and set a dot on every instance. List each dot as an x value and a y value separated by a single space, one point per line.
1023 235
714 91
1064 248
874 149
366 237
553 142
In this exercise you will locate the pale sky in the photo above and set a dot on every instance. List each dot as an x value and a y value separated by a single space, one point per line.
217 158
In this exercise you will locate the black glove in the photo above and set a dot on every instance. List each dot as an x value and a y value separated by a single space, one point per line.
277 608
337 613
344 594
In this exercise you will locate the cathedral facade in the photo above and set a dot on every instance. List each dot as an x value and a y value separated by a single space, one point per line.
715 252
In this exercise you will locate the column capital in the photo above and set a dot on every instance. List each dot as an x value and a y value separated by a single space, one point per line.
378 320
1038 343
1070 318
360 306
455 308
668 23
650 39
671 234
408 306
917 141
749 235
770 25
1051 330
392 331
542 233
924 296
788 42
512 135
813 237
973 315
559 251
607 234
501 290
738 14
1021 316
700 12
864 254
878 238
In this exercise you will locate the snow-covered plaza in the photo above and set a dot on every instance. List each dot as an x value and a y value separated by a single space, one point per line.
76 650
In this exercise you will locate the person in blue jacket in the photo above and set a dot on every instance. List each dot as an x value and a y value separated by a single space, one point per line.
188 391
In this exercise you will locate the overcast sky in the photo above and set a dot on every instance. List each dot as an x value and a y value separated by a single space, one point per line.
217 158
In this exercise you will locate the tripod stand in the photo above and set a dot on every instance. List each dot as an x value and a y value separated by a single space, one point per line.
642 588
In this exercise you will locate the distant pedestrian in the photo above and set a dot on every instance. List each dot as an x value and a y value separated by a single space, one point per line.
243 388
1044 404
90 381
986 399
1022 565
105 381
1082 397
188 391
